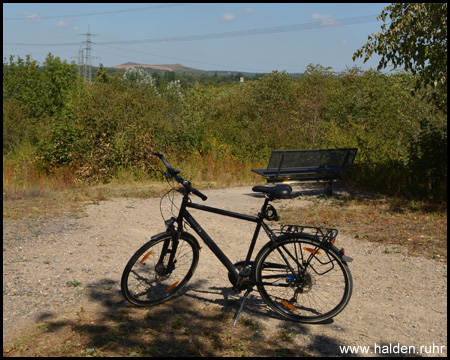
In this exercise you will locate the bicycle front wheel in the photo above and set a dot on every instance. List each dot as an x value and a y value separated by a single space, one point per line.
148 279
302 281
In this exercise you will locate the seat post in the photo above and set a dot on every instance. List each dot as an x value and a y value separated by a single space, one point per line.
264 207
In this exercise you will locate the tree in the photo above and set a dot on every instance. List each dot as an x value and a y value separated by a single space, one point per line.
60 80
416 39
312 96
25 83
102 75
139 77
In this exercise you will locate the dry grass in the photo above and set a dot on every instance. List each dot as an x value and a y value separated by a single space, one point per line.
183 327
419 227
28 192
206 171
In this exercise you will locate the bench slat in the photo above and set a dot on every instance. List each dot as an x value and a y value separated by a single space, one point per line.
308 165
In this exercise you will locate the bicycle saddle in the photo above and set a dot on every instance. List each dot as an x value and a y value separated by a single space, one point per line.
276 192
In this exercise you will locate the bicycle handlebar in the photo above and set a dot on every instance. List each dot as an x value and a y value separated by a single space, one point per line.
174 173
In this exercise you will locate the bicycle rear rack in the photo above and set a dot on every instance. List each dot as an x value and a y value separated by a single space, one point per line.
326 236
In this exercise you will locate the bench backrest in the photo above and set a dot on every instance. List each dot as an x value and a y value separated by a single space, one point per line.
321 158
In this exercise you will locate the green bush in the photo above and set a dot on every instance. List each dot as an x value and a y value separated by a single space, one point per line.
60 147
428 162
115 123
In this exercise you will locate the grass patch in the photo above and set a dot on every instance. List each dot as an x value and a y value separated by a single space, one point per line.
30 193
71 201
420 227
183 327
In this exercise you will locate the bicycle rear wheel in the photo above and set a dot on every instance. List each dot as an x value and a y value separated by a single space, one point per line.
316 286
147 279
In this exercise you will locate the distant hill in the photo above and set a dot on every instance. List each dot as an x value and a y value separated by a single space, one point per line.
168 67
179 68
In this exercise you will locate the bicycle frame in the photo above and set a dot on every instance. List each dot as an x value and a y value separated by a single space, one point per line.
259 220
281 263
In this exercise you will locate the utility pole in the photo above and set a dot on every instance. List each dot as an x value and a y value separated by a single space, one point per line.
80 61
86 63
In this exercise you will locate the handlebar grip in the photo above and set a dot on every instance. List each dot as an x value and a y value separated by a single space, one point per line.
199 194
161 156
174 172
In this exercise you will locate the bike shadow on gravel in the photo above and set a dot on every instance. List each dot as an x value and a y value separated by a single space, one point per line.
255 308
196 323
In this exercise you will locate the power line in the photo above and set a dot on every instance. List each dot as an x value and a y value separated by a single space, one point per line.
100 13
261 31
251 32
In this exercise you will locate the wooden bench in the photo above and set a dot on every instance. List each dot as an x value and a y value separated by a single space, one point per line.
307 166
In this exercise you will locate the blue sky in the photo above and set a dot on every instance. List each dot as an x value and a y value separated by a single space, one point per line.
248 37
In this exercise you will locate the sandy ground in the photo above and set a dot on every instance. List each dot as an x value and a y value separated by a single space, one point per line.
397 300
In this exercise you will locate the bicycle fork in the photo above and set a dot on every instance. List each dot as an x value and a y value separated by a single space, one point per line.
160 269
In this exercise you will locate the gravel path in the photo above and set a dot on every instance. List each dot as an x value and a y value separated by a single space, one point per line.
397 300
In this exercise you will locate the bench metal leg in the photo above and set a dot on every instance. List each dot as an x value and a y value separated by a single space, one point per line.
329 188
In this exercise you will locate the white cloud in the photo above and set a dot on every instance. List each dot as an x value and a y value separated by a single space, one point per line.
321 16
327 19
61 23
228 17
344 42
248 11
75 28
32 18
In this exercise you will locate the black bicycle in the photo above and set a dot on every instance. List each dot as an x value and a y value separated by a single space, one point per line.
299 272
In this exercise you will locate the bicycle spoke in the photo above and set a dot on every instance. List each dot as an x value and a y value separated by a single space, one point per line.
319 287
147 280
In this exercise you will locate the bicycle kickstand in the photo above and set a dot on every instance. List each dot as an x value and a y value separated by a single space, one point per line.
249 290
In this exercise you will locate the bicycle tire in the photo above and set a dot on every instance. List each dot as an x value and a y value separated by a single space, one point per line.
322 288
147 283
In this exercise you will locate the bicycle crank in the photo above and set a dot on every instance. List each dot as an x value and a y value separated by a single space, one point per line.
245 271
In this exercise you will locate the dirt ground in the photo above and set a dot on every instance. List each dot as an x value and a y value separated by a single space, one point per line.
52 268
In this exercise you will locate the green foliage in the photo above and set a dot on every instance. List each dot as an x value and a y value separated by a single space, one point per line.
313 96
197 112
102 75
415 38
24 83
99 129
60 147
370 111
16 126
116 127
32 97
377 114
255 117
138 76
428 163
60 79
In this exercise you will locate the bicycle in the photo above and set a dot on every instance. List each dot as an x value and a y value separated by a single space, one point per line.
299 273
